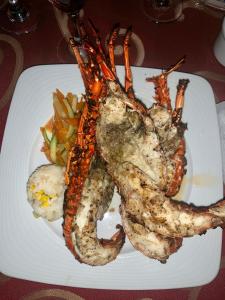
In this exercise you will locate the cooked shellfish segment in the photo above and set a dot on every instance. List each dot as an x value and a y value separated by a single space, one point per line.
149 243
96 198
89 187
159 213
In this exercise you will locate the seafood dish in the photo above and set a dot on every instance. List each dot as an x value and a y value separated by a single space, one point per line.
45 191
139 151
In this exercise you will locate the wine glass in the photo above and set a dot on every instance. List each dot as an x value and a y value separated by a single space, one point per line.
163 11
72 8
18 17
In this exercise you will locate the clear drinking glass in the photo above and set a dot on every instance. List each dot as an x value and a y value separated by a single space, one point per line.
72 8
162 11
18 17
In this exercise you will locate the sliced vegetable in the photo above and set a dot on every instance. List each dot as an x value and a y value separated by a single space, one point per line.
72 99
60 132
59 106
53 149
45 136
69 108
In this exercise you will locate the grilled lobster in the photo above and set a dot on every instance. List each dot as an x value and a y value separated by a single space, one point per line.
142 150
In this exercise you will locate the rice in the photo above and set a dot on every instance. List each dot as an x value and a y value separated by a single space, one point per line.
45 191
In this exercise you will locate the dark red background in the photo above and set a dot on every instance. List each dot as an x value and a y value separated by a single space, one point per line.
164 44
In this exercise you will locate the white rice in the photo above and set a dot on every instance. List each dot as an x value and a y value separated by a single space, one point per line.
45 191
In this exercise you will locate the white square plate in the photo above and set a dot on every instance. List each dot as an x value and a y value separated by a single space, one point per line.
34 249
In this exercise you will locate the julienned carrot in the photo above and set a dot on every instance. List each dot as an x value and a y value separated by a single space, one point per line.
60 132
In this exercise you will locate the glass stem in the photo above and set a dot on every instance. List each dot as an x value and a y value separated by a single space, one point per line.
75 19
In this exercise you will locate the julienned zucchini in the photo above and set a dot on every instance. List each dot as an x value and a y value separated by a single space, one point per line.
53 148
47 135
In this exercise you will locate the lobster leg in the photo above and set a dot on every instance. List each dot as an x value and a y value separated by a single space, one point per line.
179 156
161 88
96 36
128 74
169 126
177 113
111 46
109 75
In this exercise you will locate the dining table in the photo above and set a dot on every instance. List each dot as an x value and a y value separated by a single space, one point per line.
153 45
